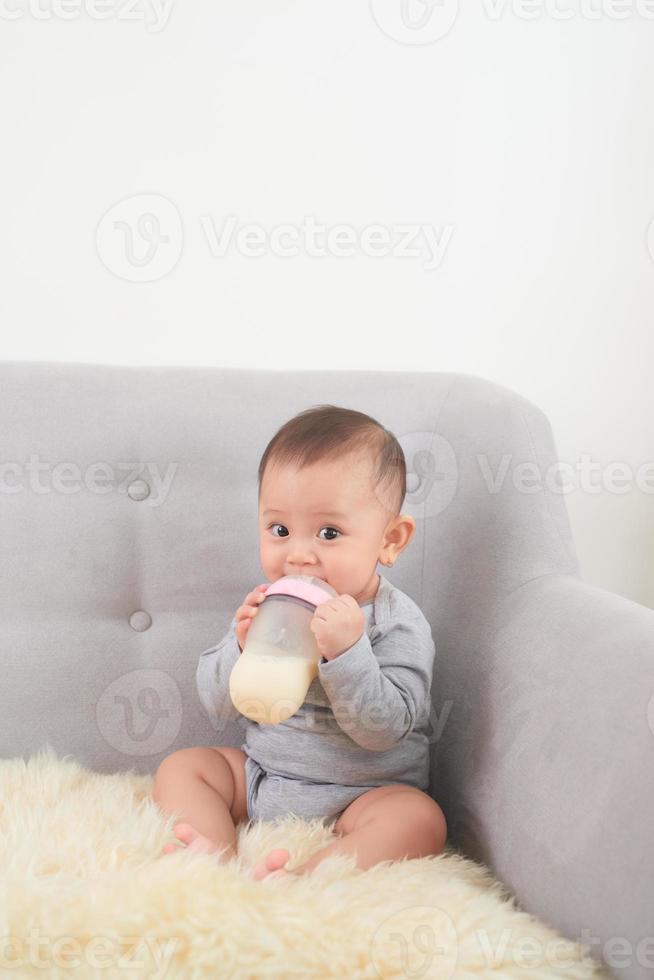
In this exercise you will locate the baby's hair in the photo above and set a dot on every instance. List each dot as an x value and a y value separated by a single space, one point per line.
329 432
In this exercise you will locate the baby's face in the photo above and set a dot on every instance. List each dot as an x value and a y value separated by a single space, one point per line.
323 520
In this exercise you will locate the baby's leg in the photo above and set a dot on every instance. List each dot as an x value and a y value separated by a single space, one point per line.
387 823
205 787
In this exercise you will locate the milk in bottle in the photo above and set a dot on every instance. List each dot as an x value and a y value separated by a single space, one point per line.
270 679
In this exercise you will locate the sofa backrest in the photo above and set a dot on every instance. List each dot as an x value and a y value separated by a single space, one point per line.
129 538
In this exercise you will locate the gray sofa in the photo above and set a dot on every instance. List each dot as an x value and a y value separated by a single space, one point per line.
129 538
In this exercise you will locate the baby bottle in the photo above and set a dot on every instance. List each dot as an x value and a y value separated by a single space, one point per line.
270 679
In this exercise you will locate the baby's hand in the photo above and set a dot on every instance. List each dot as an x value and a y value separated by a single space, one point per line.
246 613
337 625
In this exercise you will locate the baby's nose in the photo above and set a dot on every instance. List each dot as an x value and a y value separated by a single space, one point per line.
300 558
302 568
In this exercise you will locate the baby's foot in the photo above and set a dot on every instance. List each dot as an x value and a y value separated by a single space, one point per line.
194 840
272 865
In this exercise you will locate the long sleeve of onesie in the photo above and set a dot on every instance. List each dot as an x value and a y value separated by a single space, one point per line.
212 679
379 696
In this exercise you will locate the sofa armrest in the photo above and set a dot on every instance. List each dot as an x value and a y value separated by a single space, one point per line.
572 740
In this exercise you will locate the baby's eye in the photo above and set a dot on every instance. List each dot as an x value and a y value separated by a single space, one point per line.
330 529
277 525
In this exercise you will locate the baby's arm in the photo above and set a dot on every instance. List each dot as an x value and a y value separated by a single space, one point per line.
379 694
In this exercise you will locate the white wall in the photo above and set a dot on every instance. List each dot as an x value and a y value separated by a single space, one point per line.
524 144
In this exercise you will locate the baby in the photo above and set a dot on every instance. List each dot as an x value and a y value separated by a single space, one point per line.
357 750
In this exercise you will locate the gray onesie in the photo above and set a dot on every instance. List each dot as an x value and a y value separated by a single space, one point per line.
364 722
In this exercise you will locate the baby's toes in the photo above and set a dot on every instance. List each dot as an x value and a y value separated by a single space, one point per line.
185 832
272 865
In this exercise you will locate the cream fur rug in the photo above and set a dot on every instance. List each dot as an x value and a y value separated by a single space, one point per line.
86 893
